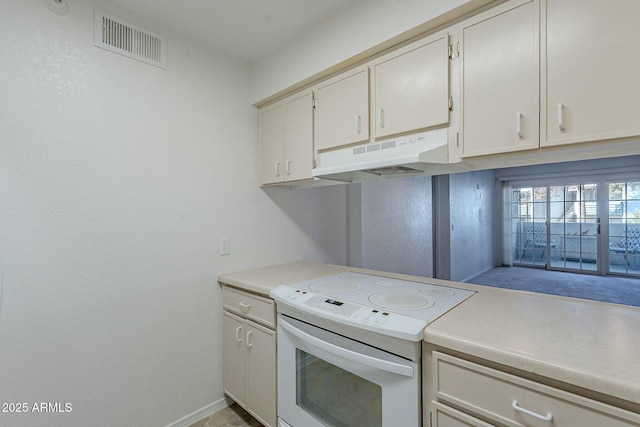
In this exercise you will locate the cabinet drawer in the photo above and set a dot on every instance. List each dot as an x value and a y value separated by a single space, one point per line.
445 416
255 307
515 401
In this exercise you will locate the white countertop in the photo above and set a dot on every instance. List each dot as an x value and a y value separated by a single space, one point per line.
262 280
588 344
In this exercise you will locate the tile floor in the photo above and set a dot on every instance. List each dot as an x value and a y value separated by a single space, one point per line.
233 416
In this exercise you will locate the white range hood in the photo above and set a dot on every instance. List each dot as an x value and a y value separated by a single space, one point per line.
423 153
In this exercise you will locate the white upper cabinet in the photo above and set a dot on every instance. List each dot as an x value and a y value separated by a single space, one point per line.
590 69
299 138
511 84
342 110
499 66
271 144
286 140
410 89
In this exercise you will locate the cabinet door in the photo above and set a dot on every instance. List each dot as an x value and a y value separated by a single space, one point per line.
342 110
272 144
500 84
411 87
234 357
299 138
261 363
591 71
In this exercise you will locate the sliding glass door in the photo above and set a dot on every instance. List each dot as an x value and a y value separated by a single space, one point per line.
624 227
529 231
568 227
575 226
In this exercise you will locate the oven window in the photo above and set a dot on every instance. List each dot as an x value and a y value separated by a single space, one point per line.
334 396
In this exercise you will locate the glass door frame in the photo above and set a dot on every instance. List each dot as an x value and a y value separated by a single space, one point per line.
629 260
530 239
582 244
530 234
519 210
576 250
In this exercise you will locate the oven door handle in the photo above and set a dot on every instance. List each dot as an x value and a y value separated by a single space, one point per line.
385 365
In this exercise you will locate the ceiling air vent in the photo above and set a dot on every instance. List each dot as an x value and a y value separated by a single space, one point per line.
119 36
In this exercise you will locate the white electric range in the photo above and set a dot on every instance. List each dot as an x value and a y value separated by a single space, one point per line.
393 307
349 349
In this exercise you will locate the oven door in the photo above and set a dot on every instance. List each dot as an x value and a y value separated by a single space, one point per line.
325 379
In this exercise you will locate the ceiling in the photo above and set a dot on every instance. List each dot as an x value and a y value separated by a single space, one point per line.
248 29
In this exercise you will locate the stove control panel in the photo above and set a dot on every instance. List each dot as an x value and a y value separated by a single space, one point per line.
357 315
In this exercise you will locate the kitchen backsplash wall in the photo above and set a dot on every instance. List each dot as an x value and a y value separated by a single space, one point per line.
391 225
396 225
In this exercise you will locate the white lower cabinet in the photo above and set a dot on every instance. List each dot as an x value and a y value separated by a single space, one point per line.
249 352
235 360
469 394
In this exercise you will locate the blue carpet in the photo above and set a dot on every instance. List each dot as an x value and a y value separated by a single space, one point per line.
617 290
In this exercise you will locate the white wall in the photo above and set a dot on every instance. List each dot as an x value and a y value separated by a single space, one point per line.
356 29
397 226
473 221
117 180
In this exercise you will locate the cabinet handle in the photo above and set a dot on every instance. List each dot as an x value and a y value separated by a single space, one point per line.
358 124
560 116
547 417
288 169
277 169
249 343
346 354
244 306
519 124
380 118
238 329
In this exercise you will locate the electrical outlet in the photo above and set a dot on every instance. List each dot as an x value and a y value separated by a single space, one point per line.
225 246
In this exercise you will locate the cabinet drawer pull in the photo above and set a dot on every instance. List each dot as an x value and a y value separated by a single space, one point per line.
288 167
519 124
547 417
249 343
277 169
560 116
238 329
244 306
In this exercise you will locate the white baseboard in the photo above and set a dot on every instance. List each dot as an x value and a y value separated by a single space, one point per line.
475 275
201 413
